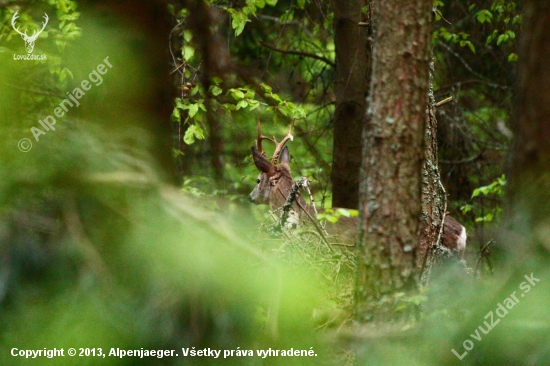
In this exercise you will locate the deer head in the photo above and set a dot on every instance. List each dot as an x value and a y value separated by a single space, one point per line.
275 180
29 40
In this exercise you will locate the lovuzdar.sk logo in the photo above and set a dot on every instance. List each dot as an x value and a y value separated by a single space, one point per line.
29 40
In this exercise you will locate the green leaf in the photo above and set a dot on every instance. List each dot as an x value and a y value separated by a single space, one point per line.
266 88
502 38
484 16
192 133
276 97
487 218
249 10
242 104
189 136
199 132
491 37
176 116
216 90
466 208
228 107
187 35
239 21
513 57
316 29
271 2
179 104
193 109
195 89
177 152
253 104
344 212
187 52
237 94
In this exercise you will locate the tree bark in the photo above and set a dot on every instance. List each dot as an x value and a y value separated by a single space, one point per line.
432 194
528 194
352 83
393 156
216 63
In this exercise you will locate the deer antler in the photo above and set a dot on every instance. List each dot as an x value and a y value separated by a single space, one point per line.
37 33
262 137
279 145
13 20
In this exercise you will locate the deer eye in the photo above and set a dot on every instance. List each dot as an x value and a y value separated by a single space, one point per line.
258 181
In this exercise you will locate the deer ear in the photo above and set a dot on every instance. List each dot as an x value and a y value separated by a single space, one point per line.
285 156
261 162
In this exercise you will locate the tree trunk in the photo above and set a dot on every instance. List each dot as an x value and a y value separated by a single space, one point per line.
432 194
352 84
216 63
528 194
393 156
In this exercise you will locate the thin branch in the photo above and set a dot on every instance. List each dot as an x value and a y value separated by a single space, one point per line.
303 134
320 108
472 81
466 65
444 101
172 52
288 203
441 15
484 252
463 161
300 53
311 199
278 20
444 213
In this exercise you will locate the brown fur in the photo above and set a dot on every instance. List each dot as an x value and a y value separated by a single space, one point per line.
275 183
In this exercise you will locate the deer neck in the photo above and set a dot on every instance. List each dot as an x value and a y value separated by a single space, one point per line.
280 194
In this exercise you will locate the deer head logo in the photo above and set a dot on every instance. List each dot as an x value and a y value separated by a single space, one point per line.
29 40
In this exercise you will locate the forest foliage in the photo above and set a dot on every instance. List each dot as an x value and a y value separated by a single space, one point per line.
109 255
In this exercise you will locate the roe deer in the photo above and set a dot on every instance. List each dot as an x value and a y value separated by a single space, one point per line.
275 183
